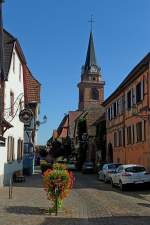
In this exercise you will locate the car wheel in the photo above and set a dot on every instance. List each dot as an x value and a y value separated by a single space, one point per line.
121 185
112 183
105 179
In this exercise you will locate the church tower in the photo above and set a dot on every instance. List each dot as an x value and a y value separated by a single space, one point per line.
91 87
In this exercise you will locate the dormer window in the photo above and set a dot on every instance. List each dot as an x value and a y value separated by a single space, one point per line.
13 58
11 103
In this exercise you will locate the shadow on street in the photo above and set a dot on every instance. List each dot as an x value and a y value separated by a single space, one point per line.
99 221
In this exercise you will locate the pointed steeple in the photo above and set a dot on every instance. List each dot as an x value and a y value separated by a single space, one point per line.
90 57
2 75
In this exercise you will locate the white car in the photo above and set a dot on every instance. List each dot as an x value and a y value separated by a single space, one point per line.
105 173
130 174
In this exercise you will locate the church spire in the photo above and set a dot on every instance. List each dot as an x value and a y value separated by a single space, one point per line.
90 57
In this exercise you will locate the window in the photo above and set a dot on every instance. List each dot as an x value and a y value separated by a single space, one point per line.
135 169
13 58
119 169
139 131
94 93
129 137
133 134
120 137
129 100
10 149
115 139
81 95
140 91
11 103
20 150
115 109
122 104
108 114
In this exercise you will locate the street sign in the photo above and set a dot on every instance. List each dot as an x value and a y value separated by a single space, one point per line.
25 116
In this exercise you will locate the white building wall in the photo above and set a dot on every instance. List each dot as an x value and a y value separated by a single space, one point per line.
15 85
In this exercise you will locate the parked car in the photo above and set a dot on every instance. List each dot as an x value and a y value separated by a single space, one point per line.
88 167
71 165
106 171
99 166
130 174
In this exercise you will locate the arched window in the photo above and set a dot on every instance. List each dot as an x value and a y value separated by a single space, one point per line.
81 95
94 94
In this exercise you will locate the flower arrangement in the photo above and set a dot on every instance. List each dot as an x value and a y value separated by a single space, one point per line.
58 183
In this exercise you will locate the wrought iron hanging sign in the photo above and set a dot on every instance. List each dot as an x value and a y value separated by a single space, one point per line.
26 116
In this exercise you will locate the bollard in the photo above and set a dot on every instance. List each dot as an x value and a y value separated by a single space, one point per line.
10 188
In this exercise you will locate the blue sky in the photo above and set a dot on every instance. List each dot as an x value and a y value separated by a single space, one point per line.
54 37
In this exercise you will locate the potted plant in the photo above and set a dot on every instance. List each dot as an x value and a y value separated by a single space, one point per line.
58 183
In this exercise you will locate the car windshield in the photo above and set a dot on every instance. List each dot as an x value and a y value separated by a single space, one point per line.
135 169
70 162
88 163
112 166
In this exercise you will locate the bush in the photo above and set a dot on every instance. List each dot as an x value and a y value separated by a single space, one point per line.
45 166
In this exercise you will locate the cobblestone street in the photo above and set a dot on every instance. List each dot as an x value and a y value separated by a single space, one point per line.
91 203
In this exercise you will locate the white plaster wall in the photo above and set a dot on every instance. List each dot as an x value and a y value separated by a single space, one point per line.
17 131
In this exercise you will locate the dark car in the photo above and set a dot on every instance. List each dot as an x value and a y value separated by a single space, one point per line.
88 167
71 165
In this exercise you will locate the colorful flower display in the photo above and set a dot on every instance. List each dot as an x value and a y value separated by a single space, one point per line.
58 183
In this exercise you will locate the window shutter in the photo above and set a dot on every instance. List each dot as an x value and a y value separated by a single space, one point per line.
142 89
131 97
135 133
117 139
122 136
143 130
10 159
126 103
110 112
13 150
126 136
8 149
119 106
112 108
134 96
107 114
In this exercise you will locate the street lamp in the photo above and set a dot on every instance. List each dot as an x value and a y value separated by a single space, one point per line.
38 123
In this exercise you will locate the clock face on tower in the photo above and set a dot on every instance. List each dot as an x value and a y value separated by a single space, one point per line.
93 69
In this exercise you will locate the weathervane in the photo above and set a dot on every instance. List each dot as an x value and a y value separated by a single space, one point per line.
91 21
